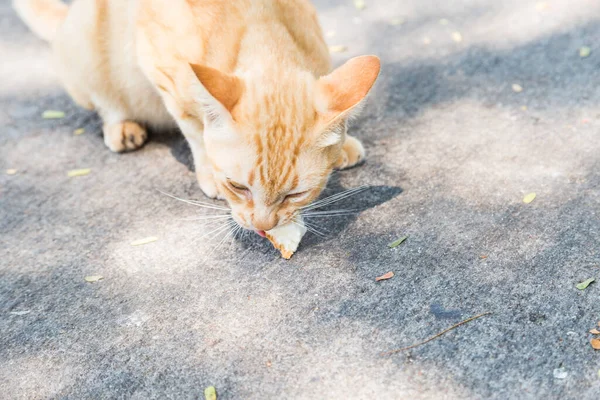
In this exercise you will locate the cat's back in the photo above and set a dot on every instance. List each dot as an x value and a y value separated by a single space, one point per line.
215 32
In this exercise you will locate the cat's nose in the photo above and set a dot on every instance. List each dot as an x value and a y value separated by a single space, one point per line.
265 224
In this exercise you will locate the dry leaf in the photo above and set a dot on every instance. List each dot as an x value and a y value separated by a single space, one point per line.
517 88
53 114
210 393
594 331
11 171
360 4
483 256
385 276
79 131
338 49
528 198
78 172
147 240
595 344
93 278
457 37
268 363
584 284
585 52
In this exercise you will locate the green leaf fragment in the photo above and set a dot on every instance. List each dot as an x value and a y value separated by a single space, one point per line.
53 114
585 284
78 172
529 198
360 4
397 21
93 278
79 131
398 242
585 52
143 241
210 393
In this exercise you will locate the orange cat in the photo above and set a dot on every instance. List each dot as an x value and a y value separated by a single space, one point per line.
248 82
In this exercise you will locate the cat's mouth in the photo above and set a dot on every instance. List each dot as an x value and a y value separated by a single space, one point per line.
261 233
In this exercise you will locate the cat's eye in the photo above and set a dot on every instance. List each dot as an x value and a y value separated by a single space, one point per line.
296 196
237 187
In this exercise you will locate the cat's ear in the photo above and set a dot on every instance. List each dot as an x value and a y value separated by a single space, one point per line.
218 87
340 92
186 91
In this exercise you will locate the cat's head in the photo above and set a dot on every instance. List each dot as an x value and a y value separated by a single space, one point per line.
272 143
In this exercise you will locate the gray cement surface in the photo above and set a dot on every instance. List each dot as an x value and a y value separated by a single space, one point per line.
452 150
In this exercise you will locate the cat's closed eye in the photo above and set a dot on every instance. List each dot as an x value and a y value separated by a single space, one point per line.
238 188
296 196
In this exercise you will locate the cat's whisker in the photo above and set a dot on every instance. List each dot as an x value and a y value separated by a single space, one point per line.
206 217
237 230
329 213
217 236
310 228
331 200
210 224
231 231
313 217
342 194
195 202
218 229
334 198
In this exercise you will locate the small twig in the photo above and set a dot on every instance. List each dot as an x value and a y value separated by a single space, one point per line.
436 336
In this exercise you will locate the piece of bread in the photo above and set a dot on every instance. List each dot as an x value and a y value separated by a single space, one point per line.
286 238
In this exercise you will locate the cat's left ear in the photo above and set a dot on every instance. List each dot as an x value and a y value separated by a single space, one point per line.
340 92
218 92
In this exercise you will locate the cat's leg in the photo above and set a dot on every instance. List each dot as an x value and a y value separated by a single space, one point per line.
120 133
193 131
124 136
352 153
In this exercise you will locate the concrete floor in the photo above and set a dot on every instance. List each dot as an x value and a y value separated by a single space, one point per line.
452 150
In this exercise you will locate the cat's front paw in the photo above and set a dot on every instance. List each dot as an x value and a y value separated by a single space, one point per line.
124 136
352 153
208 185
